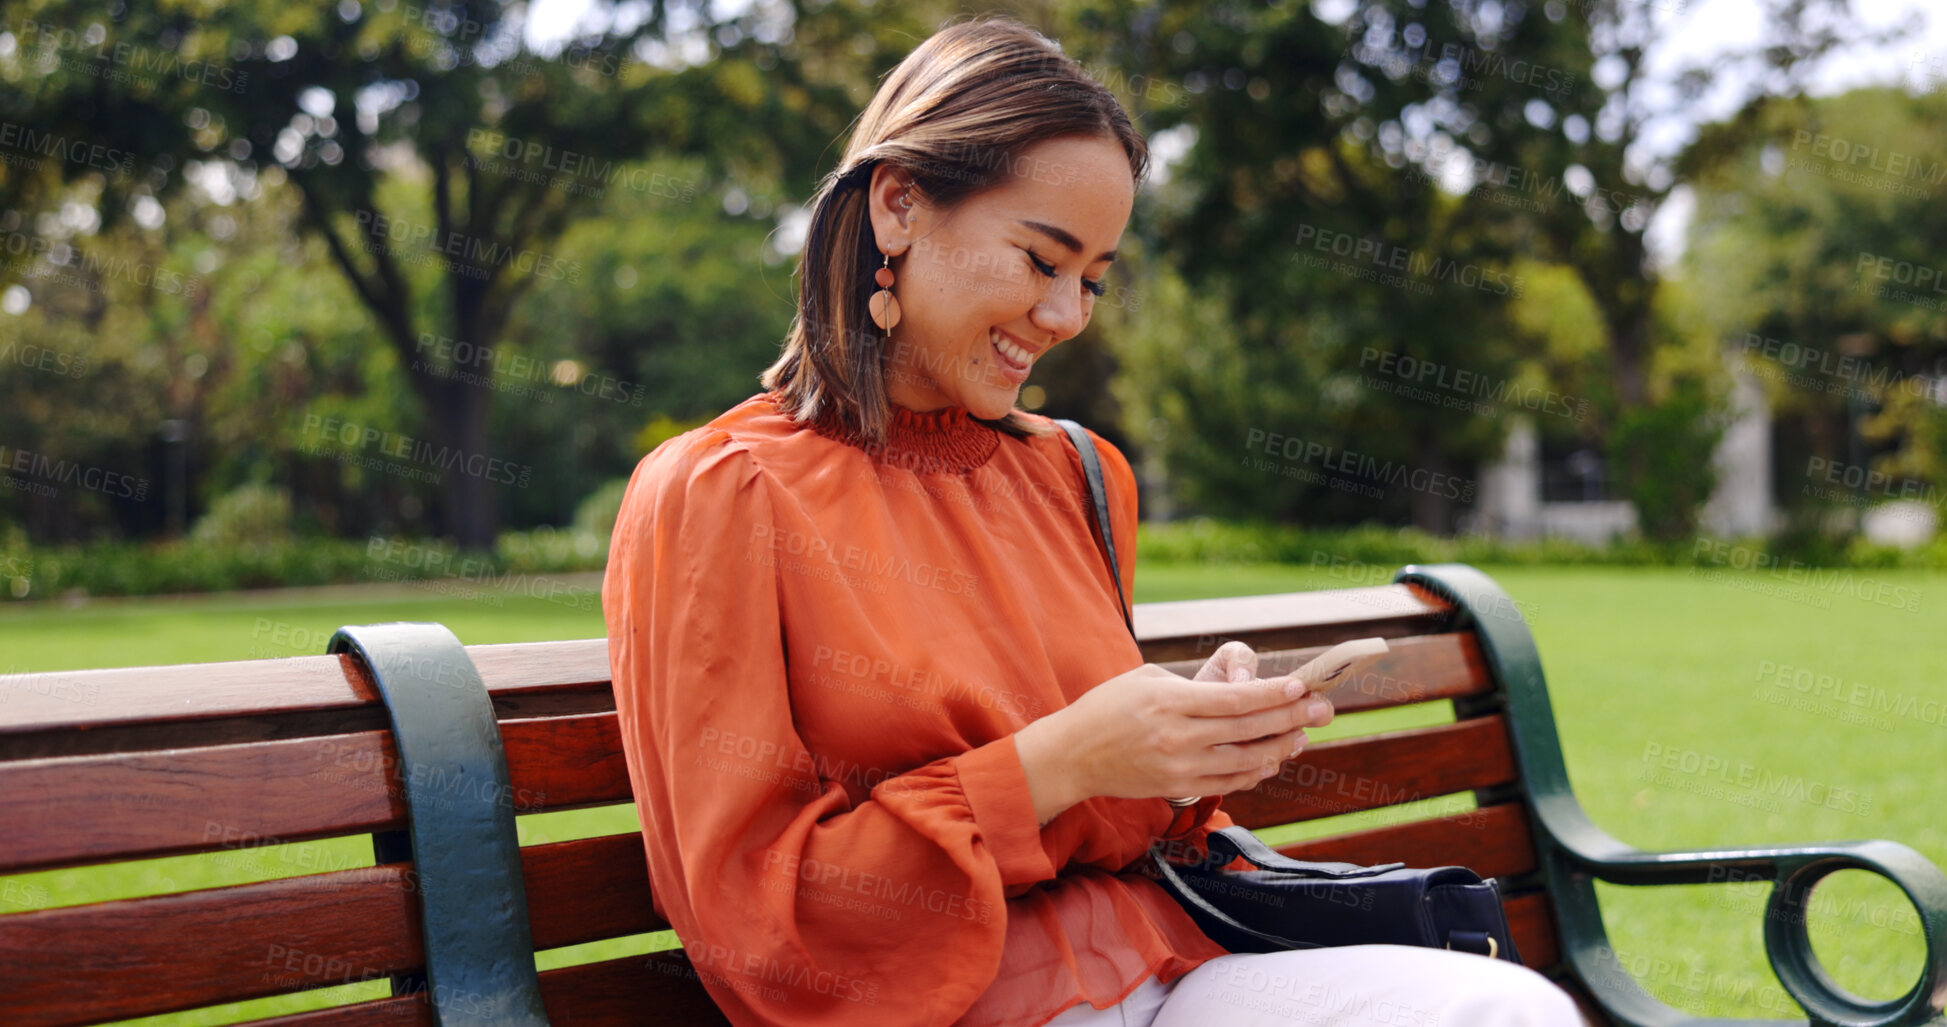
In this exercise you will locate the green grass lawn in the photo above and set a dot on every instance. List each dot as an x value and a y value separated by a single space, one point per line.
1644 665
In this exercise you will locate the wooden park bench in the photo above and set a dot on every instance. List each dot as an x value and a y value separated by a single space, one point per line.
103 766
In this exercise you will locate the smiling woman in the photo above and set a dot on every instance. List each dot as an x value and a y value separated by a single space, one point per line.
992 178
895 751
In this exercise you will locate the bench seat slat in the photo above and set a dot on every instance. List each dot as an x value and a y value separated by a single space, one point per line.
1352 774
1420 669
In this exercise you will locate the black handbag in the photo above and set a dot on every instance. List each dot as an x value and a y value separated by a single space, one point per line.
1291 904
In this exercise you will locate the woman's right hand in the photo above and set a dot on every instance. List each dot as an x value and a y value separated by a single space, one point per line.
1149 732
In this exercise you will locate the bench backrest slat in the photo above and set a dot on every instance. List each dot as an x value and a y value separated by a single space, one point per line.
1418 669
112 960
1189 628
291 693
195 800
1353 774
309 931
1493 841
1532 924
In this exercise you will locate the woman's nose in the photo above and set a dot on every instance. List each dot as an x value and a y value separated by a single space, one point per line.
1060 313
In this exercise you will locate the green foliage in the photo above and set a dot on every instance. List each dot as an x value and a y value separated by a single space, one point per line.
1368 554
1808 213
596 514
126 569
250 515
1661 452
269 303
441 177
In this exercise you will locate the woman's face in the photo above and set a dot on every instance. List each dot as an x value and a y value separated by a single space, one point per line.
987 287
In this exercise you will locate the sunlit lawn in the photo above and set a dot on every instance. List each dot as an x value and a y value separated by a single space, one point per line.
1636 659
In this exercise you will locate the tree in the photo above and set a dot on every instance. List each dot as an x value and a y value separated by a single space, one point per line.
1315 267
1817 228
507 147
1540 114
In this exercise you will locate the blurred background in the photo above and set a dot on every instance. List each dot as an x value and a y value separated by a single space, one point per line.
322 313
281 280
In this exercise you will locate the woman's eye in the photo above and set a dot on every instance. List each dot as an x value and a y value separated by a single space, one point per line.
1093 286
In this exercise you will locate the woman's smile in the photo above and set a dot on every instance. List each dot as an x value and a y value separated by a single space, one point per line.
1016 360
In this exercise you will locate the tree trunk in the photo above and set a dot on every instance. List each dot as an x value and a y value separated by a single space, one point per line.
1433 503
1629 344
472 476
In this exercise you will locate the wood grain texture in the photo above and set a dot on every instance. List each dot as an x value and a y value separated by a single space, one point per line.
1531 921
98 766
1492 842
1417 669
296 684
84 809
112 960
254 688
1289 620
657 990
563 762
126 806
587 890
1353 774
83 964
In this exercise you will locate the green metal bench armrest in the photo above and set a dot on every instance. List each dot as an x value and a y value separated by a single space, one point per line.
1794 871
1574 852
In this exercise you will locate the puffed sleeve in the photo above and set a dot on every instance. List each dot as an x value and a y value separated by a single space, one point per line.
755 861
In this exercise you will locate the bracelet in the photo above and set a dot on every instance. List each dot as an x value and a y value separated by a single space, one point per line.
1186 801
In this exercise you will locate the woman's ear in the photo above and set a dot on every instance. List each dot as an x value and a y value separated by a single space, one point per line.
891 204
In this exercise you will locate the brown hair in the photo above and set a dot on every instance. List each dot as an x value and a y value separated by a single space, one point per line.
954 115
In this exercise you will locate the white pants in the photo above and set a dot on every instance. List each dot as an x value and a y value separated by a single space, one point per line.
1351 986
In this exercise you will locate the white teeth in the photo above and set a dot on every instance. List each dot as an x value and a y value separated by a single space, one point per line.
1011 351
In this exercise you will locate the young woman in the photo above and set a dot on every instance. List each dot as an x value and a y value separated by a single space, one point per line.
890 739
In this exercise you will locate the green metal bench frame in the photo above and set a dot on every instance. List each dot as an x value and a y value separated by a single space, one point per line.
1574 853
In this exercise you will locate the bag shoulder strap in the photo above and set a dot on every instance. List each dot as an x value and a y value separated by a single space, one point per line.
1098 501
1231 842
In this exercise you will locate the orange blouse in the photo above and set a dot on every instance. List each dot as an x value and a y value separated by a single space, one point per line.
821 655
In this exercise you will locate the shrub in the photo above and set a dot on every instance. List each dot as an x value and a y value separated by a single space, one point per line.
249 515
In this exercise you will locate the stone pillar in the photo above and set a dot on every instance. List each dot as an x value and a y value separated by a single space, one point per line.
1510 497
1741 504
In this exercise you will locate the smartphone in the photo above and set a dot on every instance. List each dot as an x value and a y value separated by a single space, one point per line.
1339 664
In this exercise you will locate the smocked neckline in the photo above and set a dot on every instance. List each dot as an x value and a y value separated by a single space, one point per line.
949 439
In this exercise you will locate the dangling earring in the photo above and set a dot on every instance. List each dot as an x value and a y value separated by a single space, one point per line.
884 306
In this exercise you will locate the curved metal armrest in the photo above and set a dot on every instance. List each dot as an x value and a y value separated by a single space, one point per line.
1575 852
1794 871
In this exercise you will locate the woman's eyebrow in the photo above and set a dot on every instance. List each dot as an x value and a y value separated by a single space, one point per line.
1064 237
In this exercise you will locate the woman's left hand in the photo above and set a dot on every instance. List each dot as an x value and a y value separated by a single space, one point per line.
1236 662
1233 661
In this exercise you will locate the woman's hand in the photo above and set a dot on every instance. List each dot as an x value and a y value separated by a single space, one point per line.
1148 733
1233 661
